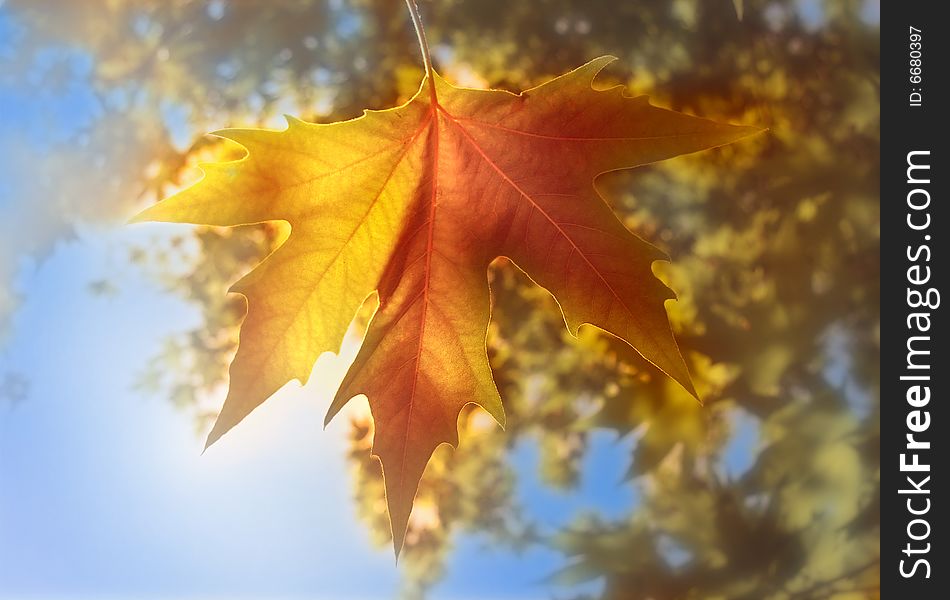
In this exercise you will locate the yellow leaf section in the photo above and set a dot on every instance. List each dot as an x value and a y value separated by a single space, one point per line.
343 189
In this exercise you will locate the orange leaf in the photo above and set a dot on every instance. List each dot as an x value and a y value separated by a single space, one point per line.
414 203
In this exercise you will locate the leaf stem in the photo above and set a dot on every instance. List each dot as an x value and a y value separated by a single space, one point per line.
423 45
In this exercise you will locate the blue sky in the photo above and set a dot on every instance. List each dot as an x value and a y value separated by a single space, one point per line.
104 492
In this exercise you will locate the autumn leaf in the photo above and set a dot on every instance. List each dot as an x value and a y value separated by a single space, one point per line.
414 203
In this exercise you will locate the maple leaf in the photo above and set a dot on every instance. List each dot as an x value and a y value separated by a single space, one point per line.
413 203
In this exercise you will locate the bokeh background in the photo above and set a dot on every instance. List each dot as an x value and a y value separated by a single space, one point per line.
610 482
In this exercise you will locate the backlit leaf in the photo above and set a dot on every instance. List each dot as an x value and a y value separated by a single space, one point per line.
414 203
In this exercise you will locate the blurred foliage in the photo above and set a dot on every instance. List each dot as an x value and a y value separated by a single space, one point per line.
774 245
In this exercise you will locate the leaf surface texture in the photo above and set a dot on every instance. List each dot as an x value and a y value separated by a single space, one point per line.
414 203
